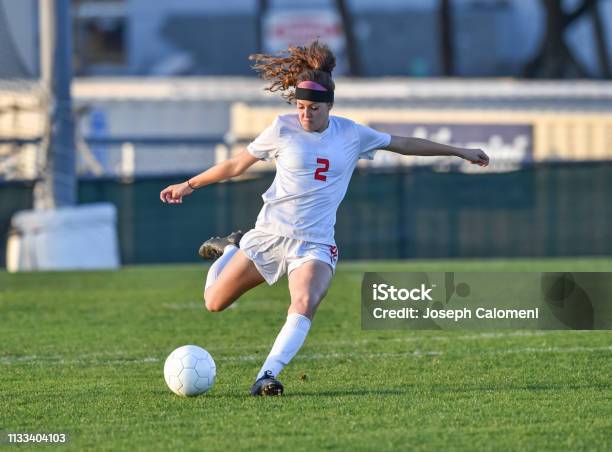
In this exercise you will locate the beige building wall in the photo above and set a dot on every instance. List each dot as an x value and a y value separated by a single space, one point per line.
566 136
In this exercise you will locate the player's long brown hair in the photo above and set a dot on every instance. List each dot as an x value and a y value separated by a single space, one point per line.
285 70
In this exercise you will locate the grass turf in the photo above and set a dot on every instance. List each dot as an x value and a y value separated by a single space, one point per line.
83 353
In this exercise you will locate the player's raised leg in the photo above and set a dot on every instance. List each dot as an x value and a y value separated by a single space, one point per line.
237 277
308 285
231 275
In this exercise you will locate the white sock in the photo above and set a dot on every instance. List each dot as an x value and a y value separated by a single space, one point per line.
217 267
287 343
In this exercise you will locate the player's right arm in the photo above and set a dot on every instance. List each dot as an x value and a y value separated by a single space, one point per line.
235 166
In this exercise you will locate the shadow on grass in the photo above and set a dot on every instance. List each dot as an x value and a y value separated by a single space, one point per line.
352 392
290 393
300 393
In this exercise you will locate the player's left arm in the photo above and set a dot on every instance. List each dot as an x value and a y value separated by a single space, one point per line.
420 146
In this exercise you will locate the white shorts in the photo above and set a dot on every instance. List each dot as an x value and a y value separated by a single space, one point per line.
274 255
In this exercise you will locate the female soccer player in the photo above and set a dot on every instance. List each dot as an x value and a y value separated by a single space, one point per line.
315 156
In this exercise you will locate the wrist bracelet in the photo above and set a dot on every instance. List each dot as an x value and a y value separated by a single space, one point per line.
189 185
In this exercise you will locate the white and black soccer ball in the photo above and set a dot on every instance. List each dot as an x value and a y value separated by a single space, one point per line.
189 371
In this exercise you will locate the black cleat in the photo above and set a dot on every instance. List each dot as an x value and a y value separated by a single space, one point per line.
267 385
214 246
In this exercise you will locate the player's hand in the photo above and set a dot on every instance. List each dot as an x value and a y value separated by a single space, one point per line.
475 156
173 194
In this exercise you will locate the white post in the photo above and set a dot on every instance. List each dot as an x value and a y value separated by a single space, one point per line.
58 185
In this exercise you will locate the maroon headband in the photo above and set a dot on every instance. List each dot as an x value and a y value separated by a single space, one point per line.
314 95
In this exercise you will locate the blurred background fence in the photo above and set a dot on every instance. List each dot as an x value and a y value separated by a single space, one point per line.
545 209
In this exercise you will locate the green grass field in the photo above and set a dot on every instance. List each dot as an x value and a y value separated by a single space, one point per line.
83 353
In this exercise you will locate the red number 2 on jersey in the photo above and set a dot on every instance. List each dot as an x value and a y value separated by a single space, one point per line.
322 169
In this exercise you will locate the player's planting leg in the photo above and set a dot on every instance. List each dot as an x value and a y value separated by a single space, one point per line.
287 343
308 285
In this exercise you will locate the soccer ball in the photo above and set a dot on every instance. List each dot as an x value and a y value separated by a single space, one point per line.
189 371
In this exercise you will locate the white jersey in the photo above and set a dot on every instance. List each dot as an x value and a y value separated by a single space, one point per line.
313 171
